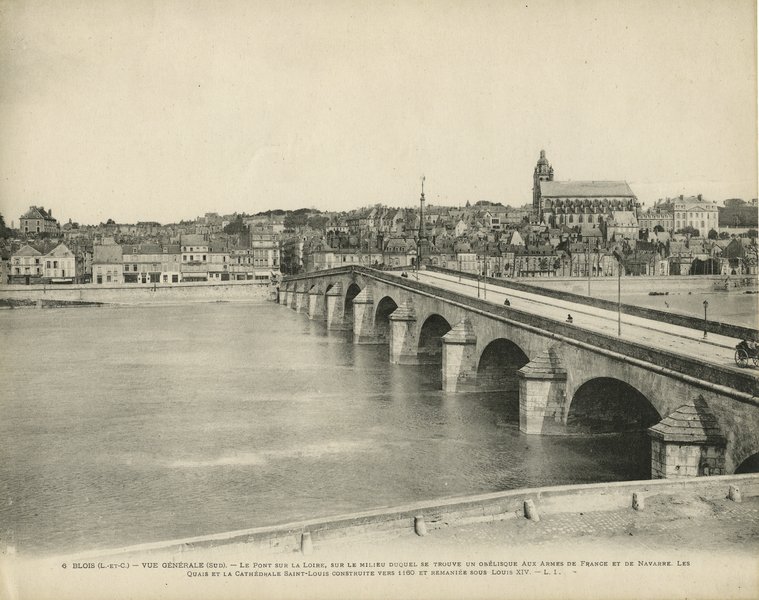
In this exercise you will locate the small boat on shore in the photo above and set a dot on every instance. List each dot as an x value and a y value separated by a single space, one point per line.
731 283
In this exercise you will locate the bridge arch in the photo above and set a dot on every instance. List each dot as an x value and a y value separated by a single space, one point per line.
352 291
430 348
749 465
607 404
498 365
385 308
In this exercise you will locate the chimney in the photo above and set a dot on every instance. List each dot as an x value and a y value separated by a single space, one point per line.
681 196
700 198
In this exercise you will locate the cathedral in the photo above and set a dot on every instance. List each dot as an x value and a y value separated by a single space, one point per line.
579 203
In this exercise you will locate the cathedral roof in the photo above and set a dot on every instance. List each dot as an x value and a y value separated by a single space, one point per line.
583 189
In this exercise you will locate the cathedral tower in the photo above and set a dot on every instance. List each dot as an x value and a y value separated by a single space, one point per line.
543 172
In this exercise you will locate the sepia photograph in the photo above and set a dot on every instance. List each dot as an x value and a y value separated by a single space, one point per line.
379 299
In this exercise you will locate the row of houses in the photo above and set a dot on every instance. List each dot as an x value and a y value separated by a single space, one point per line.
512 256
195 258
30 265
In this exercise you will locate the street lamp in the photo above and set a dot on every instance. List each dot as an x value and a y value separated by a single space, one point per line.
618 256
706 305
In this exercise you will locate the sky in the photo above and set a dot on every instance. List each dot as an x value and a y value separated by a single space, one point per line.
161 111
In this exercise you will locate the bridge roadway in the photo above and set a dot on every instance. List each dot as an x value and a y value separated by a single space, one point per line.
715 349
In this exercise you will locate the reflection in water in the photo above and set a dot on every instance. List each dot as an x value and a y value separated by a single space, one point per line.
150 423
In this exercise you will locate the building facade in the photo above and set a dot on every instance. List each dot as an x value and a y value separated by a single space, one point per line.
578 203
695 212
38 220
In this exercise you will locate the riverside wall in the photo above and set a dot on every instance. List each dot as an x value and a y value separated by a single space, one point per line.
139 294
437 514
607 286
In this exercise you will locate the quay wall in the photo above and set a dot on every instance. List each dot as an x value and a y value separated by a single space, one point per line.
437 514
606 286
139 294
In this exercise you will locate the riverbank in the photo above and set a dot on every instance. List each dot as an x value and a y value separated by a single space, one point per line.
131 294
12 303
686 539
449 513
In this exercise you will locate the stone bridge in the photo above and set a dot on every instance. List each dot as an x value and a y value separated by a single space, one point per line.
703 419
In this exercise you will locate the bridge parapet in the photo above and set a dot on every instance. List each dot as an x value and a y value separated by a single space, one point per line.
717 327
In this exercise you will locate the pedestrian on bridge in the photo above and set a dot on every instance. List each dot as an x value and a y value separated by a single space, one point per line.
569 318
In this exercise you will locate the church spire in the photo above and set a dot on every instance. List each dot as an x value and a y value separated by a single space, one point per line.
543 172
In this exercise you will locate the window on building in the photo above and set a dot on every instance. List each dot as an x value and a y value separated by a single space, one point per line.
47 264
204 257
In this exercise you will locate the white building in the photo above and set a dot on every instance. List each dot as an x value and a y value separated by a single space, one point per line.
59 265
694 211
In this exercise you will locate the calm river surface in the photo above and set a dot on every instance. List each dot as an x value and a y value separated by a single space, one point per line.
137 424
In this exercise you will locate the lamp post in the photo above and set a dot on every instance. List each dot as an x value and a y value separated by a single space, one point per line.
588 264
618 256
485 279
706 305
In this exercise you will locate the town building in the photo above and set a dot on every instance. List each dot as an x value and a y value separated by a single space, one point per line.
151 263
107 264
26 265
37 220
59 265
695 212
661 214
194 250
575 203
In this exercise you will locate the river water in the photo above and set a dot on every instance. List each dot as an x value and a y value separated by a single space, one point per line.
126 425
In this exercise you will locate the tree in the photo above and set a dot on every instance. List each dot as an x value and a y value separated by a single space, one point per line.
235 227
296 219
724 235
734 202
5 232
712 235
317 222
752 234
658 229
689 230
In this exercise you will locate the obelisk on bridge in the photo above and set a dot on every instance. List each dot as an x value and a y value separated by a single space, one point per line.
422 231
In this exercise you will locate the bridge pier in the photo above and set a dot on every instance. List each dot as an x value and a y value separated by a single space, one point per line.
542 393
301 299
687 443
403 336
315 304
363 318
460 358
336 309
